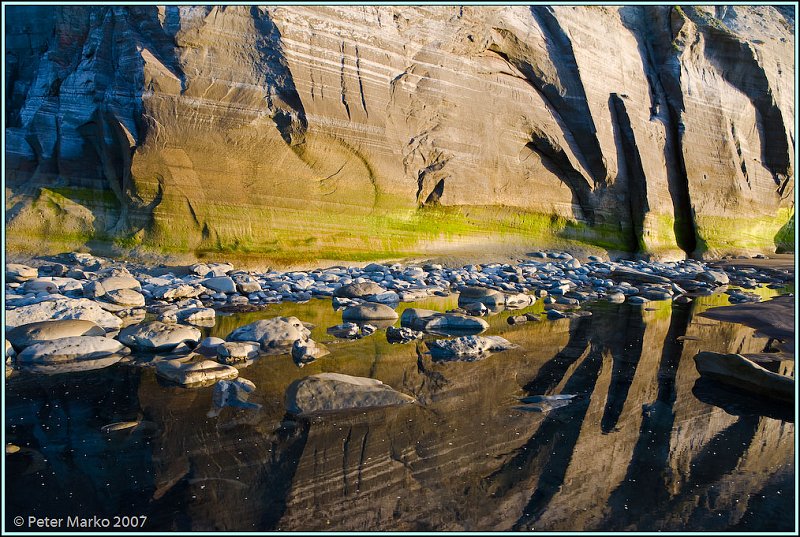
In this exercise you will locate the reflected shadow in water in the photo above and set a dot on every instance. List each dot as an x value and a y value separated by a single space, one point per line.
644 445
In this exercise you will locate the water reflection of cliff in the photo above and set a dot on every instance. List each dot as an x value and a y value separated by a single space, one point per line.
635 450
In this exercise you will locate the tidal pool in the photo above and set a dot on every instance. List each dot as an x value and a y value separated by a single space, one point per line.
643 444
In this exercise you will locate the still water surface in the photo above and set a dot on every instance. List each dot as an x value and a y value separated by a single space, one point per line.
643 446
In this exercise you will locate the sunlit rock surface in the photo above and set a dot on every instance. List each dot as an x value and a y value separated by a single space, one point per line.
307 131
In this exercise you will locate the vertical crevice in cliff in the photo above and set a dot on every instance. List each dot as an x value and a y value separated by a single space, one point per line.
360 82
568 93
342 85
283 101
737 144
632 163
653 31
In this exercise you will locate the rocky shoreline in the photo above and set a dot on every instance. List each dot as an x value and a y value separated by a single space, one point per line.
79 312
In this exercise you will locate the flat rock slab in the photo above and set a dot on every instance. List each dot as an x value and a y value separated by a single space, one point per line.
16 272
773 318
469 348
62 308
272 333
28 334
737 371
429 320
369 312
631 275
72 348
327 392
156 336
195 374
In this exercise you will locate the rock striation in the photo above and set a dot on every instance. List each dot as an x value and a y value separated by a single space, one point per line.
309 131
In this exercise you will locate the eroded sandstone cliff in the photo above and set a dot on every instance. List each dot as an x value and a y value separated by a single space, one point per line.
355 131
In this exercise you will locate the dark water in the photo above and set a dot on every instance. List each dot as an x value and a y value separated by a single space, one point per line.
642 446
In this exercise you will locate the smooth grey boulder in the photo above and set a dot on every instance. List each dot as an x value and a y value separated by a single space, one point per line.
737 371
232 352
305 351
518 300
125 297
328 392
62 308
122 281
359 290
28 334
369 312
222 284
156 336
272 333
195 374
468 348
490 298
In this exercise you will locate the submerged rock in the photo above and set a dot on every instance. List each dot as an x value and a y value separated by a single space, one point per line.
327 392
402 335
233 393
468 347
345 331
305 351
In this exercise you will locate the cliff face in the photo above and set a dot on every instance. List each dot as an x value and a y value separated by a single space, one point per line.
355 131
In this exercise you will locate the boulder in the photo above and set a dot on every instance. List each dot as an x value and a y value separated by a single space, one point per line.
737 371
28 334
156 336
62 308
369 312
518 300
208 346
232 352
221 284
491 298
114 283
125 297
272 333
716 277
327 392
359 290
468 347
195 374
